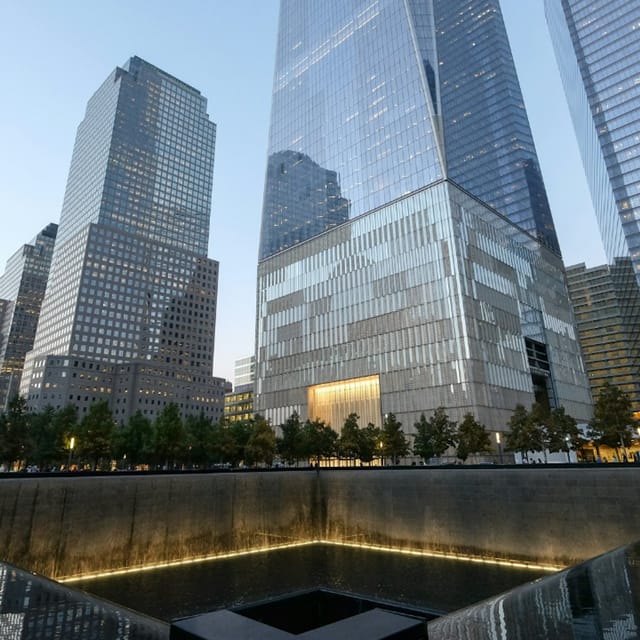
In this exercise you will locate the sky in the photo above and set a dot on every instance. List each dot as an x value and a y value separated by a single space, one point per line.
54 55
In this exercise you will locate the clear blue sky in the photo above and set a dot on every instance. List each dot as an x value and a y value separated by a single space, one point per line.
54 55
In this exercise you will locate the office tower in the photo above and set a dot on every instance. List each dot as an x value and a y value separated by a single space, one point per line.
607 310
238 404
130 307
244 371
598 52
372 101
425 295
22 287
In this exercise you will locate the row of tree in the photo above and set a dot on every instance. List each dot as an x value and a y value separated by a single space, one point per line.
54 439
613 425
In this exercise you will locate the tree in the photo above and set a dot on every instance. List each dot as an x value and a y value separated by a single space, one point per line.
562 431
223 443
14 432
43 444
539 418
96 434
394 443
349 440
472 438
199 431
261 446
369 439
319 439
169 436
230 440
523 436
65 426
434 436
290 445
135 440
613 422
240 431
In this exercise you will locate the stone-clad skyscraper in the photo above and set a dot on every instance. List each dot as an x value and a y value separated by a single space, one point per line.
130 307
597 44
408 258
374 99
22 287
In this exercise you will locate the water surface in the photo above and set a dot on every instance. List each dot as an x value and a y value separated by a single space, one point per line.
434 584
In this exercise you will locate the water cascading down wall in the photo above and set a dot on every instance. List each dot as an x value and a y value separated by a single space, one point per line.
62 527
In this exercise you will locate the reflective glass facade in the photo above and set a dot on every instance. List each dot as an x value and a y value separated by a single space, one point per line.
597 46
244 372
132 292
373 99
487 138
435 294
22 288
607 308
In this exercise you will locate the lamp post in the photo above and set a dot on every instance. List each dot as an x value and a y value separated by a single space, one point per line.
499 443
72 444
381 447
567 439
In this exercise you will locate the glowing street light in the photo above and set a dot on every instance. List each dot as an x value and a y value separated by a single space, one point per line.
72 444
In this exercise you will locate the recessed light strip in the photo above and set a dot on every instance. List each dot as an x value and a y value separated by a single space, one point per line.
178 563
516 564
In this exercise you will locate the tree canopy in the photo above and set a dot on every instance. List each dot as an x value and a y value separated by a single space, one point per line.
320 440
394 442
261 445
613 422
95 435
435 435
290 445
472 438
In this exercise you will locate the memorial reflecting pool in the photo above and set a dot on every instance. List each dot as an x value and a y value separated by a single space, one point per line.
437 585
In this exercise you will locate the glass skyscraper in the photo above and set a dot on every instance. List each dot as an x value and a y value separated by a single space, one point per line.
373 99
597 44
408 259
607 308
130 306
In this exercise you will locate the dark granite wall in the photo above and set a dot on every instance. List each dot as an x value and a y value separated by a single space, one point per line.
67 526
546 514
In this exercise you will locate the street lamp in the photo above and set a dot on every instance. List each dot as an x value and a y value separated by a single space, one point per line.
499 443
381 447
72 444
567 439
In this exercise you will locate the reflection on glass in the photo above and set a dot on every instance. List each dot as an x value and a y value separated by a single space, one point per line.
393 96
301 200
